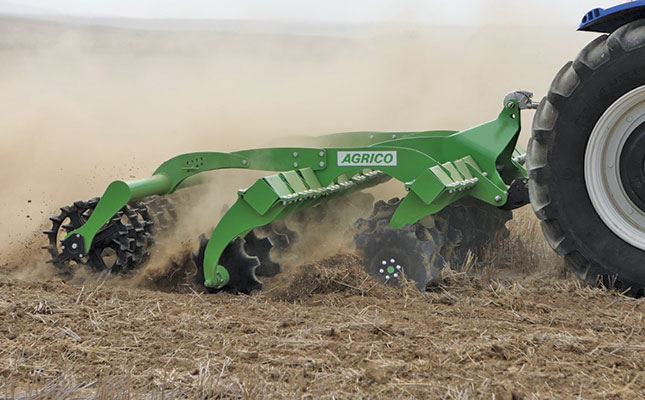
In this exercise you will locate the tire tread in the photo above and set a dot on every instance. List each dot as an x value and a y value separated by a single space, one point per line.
596 54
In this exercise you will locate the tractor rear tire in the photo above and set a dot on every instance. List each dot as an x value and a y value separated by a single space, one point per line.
586 161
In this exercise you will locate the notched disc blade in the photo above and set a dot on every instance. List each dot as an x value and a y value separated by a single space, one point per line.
261 248
241 267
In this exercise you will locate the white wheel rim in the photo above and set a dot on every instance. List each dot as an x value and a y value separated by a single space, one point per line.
602 168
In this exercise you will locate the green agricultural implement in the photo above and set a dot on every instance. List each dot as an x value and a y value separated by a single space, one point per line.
437 169
585 180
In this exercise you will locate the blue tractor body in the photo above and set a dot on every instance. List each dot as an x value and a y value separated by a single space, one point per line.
607 21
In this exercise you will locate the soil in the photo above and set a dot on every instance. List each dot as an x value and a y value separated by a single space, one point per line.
331 332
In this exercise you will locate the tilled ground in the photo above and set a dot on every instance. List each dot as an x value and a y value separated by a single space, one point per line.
330 333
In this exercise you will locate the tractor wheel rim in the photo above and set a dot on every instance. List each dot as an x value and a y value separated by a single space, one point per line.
603 178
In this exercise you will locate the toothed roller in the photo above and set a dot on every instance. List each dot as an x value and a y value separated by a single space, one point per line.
113 246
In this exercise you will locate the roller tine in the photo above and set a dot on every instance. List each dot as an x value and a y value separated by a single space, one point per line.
57 219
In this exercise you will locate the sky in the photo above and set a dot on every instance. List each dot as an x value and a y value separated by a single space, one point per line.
456 12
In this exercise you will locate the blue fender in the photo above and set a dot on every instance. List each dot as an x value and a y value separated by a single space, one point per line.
607 21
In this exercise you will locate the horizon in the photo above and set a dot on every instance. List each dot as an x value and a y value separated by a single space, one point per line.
359 12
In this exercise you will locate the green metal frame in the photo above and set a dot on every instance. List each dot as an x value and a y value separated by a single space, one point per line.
436 167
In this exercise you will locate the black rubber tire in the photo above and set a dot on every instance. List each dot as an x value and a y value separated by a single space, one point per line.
603 71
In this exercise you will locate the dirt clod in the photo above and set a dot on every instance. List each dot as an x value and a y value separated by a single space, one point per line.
341 274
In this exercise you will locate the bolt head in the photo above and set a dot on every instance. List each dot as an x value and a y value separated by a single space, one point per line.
74 246
295 165
244 162
498 198
393 136
510 104
295 154
322 164
392 261
381 271
387 277
396 275
322 154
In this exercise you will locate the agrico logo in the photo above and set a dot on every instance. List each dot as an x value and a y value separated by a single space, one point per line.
366 158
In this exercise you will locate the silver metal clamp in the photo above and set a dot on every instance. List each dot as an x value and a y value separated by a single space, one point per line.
524 99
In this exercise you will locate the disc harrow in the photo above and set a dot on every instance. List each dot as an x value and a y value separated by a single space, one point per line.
438 169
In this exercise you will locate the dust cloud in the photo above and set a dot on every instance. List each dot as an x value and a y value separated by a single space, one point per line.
84 104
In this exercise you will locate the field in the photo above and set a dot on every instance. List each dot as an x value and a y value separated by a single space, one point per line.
326 330
87 102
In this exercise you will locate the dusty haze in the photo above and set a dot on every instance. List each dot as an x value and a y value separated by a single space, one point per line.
83 105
